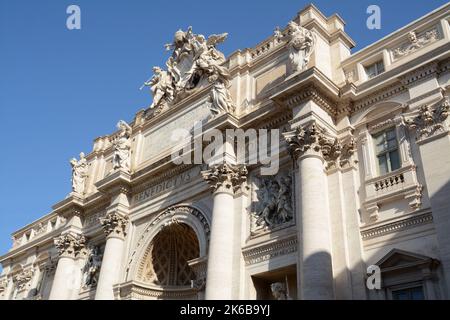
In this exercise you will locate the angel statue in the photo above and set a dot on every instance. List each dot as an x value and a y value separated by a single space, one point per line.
122 145
79 173
161 86
301 45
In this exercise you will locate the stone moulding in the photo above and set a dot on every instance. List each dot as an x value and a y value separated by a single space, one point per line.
396 226
136 290
265 251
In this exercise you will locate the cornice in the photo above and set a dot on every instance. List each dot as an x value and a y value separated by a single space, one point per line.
311 84
264 251
371 232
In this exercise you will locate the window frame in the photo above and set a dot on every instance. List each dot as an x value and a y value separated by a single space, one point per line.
378 67
386 152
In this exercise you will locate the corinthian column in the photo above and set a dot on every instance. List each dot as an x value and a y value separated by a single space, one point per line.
309 146
224 179
67 273
114 225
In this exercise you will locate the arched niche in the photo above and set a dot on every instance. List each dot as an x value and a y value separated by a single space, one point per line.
182 229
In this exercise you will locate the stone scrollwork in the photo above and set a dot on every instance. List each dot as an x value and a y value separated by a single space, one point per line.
114 224
70 244
313 138
274 201
122 146
195 62
301 42
430 119
79 174
225 177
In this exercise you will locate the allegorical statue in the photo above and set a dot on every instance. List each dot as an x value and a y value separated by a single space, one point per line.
279 291
161 86
301 43
79 173
122 146
91 270
195 62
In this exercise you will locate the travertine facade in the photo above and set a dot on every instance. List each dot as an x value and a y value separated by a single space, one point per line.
364 177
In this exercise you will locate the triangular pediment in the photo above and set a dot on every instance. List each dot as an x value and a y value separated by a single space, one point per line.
397 259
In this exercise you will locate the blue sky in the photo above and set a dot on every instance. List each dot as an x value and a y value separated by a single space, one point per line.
59 89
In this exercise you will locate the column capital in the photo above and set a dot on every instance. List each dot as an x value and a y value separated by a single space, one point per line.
225 177
114 224
69 244
314 140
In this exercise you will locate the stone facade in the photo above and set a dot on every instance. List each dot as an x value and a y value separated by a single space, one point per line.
363 179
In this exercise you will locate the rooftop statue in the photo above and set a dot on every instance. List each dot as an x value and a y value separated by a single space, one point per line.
195 62
79 173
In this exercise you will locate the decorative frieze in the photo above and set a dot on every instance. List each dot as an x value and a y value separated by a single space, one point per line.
415 42
70 244
267 251
430 119
225 177
114 224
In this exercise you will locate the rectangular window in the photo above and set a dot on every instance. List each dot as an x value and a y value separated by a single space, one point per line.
374 69
415 293
386 149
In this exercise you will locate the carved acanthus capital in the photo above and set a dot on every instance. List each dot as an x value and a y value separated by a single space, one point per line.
430 119
70 244
314 139
114 224
226 177
23 279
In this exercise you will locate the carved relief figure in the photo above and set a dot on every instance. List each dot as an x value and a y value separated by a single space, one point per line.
274 201
301 45
91 270
415 42
79 173
122 146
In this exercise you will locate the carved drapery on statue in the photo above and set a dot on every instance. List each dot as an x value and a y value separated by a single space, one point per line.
91 270
195 62
79 174
301 44
274 201
122 146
